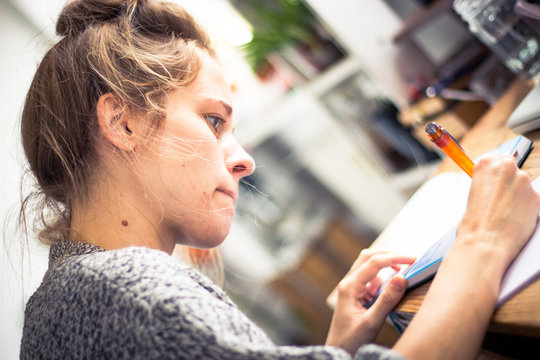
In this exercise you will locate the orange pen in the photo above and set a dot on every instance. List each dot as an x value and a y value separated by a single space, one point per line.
449 146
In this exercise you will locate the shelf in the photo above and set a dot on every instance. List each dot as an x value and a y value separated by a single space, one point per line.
422 17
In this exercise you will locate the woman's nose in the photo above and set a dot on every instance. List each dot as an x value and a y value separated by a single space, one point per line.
238 161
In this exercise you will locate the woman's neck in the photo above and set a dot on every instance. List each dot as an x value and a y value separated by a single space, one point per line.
117 220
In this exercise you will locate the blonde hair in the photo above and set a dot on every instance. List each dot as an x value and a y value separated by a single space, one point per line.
138 50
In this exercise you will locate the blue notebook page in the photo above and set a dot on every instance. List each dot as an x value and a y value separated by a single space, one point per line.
425 267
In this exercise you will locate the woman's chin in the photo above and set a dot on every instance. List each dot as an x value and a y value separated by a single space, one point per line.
216 237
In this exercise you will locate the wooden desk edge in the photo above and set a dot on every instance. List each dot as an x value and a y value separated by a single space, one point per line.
519 316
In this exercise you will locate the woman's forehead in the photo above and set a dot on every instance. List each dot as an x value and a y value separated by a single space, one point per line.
211 82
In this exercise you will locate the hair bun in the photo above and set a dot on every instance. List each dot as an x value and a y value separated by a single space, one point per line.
77 15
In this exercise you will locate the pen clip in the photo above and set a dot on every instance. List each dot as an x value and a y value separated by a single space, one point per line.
452 138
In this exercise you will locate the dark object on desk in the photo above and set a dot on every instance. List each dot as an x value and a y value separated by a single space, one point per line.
386 126
491 79
442 83
530 11
512 346
424 2
526 117
457 68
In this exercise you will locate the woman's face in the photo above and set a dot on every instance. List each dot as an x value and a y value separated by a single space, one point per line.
196 164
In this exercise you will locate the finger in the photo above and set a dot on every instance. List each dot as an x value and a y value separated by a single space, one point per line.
366 300
372 287
389 298
364 256
396 267
371 268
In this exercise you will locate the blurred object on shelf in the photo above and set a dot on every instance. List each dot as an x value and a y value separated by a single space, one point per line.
416 88
468 56
530 12
458 67
403 9
491 79
385 124
283 204
423 111
290 29
456 94
455 116
454 72
434 30
276 71
449 98
372 121
422 17
505 32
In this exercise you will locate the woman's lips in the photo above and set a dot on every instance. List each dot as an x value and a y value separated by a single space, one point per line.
229 193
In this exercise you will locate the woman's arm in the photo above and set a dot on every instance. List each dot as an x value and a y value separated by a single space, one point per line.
501 215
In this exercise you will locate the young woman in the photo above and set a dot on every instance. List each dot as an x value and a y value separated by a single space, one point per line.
127 128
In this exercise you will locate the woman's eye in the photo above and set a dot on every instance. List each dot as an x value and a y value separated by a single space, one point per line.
215 122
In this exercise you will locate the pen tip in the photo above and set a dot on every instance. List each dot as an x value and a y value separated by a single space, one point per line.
432 128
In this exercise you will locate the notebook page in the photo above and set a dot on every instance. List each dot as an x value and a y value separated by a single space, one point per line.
526 266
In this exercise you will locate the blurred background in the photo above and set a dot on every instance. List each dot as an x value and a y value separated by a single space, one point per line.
330 97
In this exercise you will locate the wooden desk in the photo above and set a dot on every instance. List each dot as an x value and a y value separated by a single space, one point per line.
521 314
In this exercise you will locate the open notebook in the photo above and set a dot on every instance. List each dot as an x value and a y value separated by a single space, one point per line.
426 227
521 272
427 265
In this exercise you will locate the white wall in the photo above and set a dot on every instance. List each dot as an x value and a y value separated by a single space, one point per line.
20 50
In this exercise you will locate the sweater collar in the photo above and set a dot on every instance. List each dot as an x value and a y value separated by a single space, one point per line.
64 248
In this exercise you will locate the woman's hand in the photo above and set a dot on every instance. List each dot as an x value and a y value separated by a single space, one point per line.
502 212
352 324
502 209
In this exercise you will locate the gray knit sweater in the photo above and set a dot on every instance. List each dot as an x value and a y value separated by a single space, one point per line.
138 303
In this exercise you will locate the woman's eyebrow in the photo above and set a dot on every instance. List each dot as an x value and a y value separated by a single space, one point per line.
226 107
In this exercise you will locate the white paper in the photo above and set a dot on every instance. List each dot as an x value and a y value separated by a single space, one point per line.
429 214
526 266
425 221
436 208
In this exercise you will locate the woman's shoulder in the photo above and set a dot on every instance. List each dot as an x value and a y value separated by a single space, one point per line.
137 269
119 286
124 263
143 294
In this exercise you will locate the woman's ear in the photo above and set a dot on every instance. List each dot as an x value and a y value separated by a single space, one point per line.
116 123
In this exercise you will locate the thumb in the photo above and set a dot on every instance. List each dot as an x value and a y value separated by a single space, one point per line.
389 297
